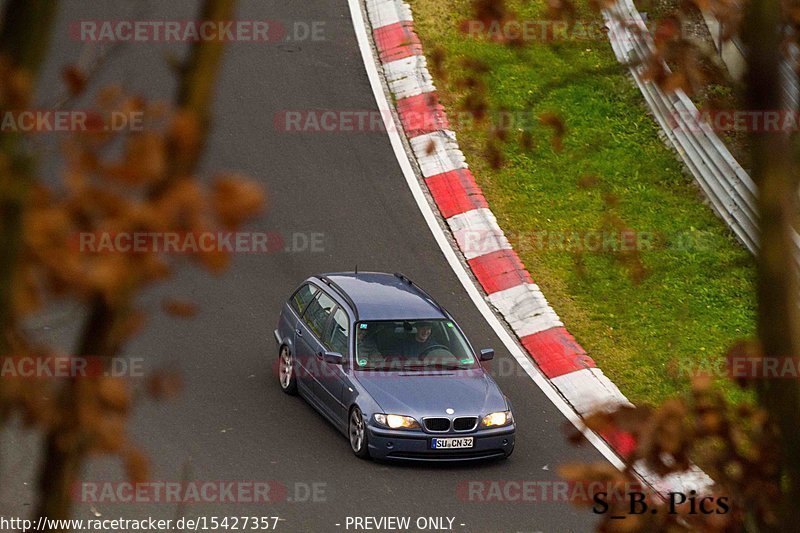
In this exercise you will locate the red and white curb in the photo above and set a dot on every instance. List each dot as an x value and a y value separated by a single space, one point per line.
507 284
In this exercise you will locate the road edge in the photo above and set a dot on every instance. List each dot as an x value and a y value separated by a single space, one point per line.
477 249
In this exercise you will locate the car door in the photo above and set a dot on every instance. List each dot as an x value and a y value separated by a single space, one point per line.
308 340
292 311
331 377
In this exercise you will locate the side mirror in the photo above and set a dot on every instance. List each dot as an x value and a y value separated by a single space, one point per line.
487 354
334 358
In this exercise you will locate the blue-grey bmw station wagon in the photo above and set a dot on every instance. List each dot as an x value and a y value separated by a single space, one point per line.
391 369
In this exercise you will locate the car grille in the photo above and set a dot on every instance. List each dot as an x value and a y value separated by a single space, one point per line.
437 424
447 456
465 423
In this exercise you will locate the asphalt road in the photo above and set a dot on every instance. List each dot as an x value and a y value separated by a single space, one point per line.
232 422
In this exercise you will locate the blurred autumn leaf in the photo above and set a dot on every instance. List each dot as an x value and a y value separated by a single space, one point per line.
140 180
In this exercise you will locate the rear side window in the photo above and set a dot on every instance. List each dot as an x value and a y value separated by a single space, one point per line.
338 335
302 297
317 314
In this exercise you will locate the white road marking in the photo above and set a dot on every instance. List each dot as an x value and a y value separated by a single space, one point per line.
437 153
525 309
477 233
409 76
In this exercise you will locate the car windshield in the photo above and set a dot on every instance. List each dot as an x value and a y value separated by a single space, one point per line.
411 345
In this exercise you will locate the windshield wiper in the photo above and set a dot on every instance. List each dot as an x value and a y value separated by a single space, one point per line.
415 366
436 366
382 368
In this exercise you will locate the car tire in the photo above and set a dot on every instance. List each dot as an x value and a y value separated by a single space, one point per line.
357 434
286 374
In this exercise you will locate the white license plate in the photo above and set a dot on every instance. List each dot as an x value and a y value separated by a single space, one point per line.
452 444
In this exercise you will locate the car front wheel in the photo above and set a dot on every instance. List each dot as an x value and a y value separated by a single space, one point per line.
357 432
286 371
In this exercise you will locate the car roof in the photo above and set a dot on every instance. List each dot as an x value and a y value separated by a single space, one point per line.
381 296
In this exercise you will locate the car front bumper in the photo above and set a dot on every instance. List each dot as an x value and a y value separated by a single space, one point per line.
416 446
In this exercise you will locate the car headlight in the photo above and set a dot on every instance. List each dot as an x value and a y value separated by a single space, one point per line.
396 421
498 419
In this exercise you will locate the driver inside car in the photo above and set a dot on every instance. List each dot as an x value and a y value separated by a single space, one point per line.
415 345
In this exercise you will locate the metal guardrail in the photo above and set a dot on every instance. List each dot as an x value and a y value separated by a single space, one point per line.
725 183
790 84
789 81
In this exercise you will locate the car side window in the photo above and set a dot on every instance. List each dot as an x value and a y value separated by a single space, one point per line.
338 335
316 316
302 297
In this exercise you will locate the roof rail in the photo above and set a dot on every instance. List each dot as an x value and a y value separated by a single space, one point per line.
421 291
333 285
403 277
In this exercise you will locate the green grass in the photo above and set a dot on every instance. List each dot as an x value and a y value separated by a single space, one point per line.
697 295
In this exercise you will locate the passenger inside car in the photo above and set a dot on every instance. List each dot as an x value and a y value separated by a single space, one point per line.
367 350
